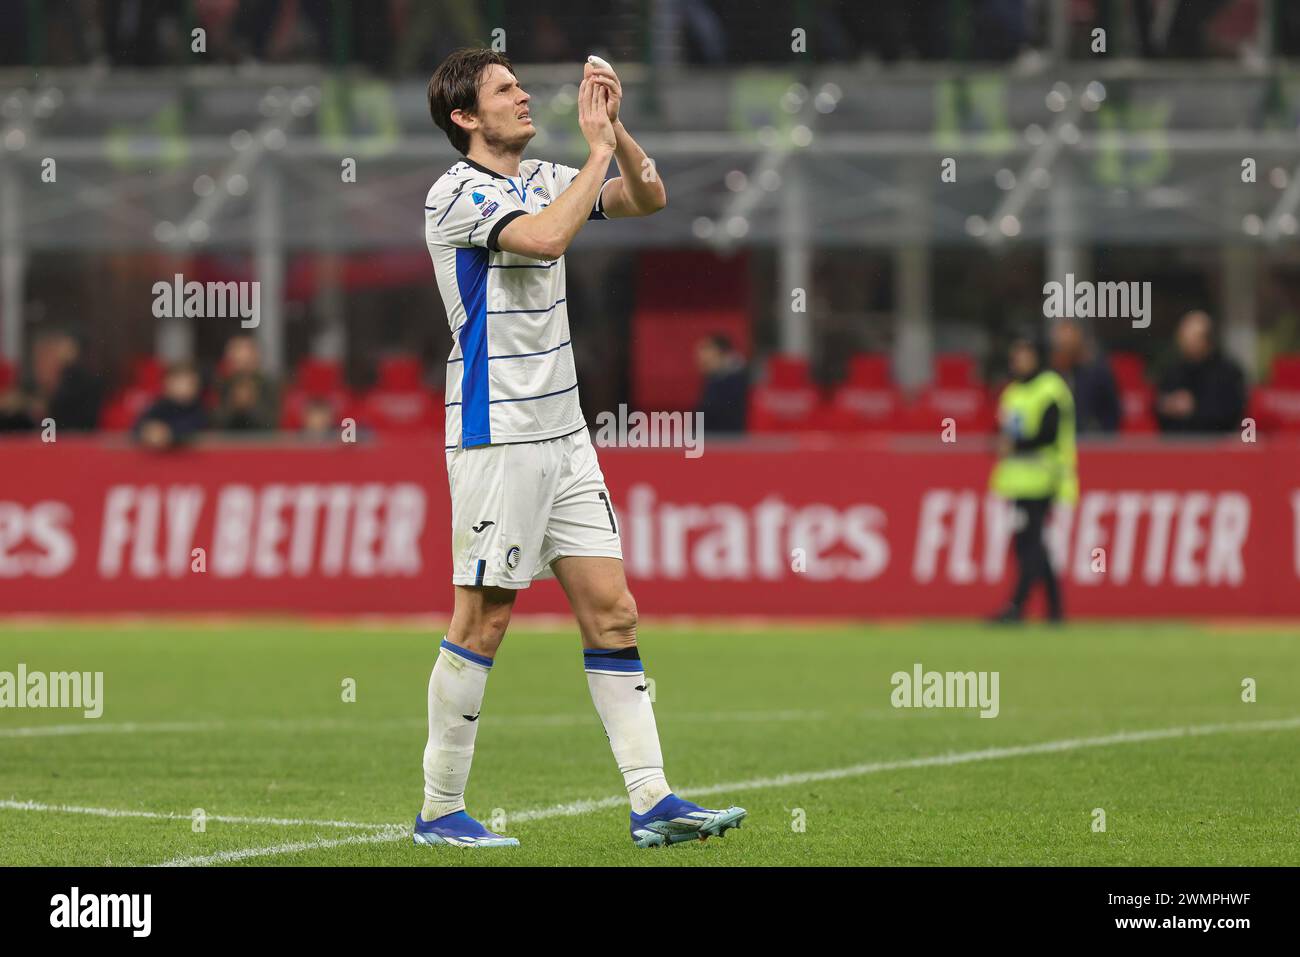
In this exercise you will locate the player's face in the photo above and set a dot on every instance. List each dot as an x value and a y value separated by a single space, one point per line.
503 114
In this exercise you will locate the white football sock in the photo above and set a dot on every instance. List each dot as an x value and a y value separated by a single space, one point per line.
455 697
622 699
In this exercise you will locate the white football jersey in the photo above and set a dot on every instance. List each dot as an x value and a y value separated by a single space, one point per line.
510 374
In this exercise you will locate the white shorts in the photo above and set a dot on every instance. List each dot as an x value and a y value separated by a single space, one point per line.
517 508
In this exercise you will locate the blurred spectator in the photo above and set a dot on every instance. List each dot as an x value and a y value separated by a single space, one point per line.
318 420
14 416
247 399
65 390
1203 391
725 396
177 415
1096 397
133 30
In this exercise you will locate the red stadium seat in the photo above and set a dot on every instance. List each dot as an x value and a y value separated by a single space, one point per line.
7 374
868 369
147 373
1285 372
318 380
787 401
1129 368
788 372
120 412
319 376
1276 407
954 370
956 394
399 373
398 402
866 400
1136 394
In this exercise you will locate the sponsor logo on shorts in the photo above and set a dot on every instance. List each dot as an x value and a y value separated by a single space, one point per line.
513 554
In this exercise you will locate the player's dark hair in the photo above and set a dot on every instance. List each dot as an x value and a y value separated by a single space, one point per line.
454 86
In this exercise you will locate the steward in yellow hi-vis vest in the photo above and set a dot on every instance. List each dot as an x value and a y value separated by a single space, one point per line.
1037 465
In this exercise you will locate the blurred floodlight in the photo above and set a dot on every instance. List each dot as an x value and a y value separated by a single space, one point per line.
14 104
737 226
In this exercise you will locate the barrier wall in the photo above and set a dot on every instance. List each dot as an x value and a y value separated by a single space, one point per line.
857 530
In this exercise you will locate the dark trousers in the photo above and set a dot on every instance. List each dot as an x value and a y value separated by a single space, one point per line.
1032 559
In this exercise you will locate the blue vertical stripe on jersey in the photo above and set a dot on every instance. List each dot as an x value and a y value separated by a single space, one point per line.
471 281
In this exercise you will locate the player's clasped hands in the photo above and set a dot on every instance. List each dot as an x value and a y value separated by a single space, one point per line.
593 114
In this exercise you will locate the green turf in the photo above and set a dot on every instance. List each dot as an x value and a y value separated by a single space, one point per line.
258 728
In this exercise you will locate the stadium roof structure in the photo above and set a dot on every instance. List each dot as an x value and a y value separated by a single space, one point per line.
1062 155
1133 154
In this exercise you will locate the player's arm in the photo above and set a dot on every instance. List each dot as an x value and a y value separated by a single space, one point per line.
637 190
546 235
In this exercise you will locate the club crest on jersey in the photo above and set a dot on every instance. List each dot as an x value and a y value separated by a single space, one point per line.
513 554
541 191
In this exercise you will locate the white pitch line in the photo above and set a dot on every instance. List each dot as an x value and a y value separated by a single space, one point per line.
230 857
123 727
574 808
12 805
325 724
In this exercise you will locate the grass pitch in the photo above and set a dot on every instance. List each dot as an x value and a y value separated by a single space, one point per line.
246 720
